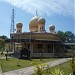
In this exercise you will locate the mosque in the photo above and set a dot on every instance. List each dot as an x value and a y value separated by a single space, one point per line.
37 40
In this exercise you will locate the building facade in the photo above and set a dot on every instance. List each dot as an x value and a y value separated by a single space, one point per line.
38 41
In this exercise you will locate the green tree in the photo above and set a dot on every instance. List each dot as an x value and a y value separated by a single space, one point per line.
2 45
61 35
4 37
69 36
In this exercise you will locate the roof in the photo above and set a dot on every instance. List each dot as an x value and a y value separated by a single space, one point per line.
69 43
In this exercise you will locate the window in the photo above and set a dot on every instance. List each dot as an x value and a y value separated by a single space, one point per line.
39 46
19 30
50 48
40 27
28 46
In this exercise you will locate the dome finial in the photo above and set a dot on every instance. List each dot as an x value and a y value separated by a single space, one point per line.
36 12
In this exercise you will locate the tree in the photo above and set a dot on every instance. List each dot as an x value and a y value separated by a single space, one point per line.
69 36
2 45
4 37
61 35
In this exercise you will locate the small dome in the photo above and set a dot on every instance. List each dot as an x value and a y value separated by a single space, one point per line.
41 20
19 24
52 27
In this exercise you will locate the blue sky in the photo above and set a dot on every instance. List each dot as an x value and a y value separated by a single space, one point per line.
57 12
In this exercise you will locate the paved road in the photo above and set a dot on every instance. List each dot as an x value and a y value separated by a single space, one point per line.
30 70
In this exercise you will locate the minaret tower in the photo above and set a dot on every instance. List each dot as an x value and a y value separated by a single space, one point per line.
52 28
19 27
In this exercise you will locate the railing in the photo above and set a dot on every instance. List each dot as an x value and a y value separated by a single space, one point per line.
48 55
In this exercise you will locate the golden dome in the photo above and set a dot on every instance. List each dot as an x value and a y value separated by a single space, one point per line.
41 20
34 23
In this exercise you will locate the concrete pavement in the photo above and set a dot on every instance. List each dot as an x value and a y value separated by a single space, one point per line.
30 70
0 71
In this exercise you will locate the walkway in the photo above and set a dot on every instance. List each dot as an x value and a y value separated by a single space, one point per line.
30 70
0 71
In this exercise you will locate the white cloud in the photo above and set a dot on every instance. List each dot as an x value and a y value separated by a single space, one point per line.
45 7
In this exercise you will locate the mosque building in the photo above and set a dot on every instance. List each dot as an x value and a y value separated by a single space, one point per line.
37 40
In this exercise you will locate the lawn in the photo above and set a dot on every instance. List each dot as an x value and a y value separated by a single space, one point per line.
65 67
14 63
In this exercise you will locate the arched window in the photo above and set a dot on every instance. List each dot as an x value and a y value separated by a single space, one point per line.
42 27
19 30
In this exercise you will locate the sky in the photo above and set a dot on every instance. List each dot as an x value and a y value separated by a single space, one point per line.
57 12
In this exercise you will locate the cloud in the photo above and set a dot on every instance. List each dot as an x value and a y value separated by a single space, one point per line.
45 7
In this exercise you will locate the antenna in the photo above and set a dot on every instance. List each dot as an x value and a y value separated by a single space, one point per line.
13 18
12 28
12 21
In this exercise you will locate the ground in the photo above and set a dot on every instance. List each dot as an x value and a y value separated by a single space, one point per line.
65 67
14 63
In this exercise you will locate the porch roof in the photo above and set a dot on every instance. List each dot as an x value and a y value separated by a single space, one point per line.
35 40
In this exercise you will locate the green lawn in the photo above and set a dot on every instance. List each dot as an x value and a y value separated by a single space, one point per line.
66 67
14 63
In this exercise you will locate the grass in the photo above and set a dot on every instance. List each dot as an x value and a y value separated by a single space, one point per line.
14 63
66 67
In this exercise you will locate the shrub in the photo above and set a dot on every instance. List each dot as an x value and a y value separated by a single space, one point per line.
57 72
38 70
40 67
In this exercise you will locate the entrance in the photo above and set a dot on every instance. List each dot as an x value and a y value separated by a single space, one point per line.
25 53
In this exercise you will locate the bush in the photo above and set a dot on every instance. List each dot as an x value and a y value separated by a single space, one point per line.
57 72
40 69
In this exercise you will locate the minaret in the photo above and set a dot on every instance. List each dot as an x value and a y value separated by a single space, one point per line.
19 27
52 28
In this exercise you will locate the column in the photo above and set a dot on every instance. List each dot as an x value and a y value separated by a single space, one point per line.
53 49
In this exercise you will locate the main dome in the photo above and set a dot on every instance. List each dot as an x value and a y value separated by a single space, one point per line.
33 24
